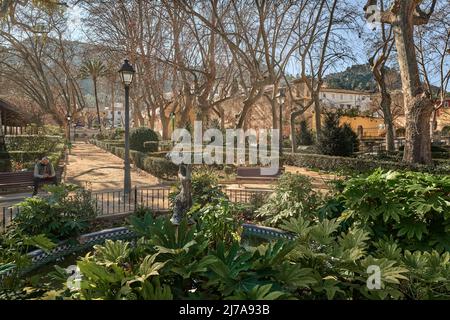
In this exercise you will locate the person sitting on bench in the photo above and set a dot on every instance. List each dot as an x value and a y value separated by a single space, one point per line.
43 173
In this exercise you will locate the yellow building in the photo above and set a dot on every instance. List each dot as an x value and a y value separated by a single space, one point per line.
365 127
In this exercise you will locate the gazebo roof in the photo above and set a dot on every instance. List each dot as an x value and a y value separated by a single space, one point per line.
10 114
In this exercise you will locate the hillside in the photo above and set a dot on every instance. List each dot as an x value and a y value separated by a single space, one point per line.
360 77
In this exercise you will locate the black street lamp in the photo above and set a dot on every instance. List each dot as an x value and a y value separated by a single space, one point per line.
69 122
281 97
126 75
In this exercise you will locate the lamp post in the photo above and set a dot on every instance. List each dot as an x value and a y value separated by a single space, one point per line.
281 97
126 75
69 123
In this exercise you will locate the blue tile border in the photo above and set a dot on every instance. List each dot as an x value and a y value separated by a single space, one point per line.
41 258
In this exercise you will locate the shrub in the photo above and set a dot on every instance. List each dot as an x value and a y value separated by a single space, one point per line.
294 196
139 136
336 140
137 158
205 188
61 215
411 208
305 137
357 165
287 143
34 143
160 167
219 221
446 130
25 160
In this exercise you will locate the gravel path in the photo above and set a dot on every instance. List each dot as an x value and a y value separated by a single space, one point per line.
100 170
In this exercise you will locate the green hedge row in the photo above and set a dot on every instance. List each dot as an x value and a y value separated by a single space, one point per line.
355 165
158 166
28 159
108 144
34 143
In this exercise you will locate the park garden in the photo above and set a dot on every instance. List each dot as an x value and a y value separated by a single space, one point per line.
353 96
297 243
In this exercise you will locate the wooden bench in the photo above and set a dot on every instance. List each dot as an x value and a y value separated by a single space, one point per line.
18 180
255 176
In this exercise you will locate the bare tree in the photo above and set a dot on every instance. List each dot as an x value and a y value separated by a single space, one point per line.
40 63
259 36
378 61
433 44
320 49
403 16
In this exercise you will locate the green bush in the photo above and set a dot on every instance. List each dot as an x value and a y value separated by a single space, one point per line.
446 130
357 165
294 196
205 188
220 221
139 136
287 143
112 134
411 208
137 158
33 143
26 160
337 140
61 215
160 167
305 137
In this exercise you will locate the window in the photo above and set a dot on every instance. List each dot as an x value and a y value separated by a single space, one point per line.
349 106
446 104
324 95
118 112
342 106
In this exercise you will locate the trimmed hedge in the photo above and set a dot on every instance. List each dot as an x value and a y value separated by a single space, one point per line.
158 166
355 165
43 143
28 159
140 138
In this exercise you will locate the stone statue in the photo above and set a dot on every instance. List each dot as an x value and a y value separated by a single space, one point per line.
183 201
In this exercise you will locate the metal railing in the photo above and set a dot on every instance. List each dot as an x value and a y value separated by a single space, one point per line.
112 203
117 202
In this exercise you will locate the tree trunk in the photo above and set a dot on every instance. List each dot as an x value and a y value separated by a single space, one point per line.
113 105
165 123
418 105
418 138
387 114
96 104
317 115
294 116
2 137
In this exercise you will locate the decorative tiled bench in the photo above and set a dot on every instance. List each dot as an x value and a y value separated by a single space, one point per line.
41 258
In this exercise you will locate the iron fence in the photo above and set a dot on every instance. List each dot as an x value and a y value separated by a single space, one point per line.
112 203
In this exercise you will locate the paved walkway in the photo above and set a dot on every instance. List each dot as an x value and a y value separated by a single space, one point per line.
100 170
